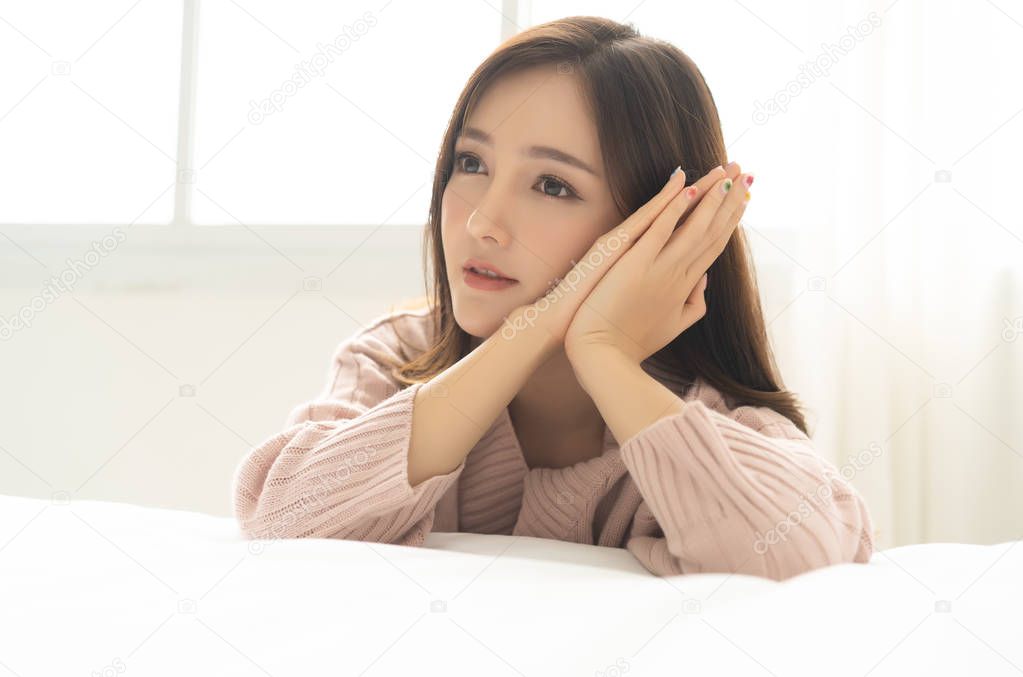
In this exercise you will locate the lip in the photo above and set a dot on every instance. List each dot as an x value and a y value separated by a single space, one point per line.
485 283
484 265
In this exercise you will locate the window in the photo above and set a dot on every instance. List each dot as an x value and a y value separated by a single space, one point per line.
330 114
88 111
229 111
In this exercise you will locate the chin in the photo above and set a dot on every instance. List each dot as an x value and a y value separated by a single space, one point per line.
480 324
479 319
481 315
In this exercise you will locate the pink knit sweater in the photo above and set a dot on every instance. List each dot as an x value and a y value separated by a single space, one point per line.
710 489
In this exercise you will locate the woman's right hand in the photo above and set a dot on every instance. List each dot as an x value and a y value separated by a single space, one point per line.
553 312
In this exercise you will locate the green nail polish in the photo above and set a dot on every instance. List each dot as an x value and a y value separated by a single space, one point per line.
726 186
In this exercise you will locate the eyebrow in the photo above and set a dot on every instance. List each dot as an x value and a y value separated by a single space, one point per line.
532 151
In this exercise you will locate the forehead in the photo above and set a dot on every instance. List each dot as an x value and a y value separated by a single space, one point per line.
538 106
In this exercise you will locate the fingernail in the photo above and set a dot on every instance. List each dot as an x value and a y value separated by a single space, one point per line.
748 180
746 199
677 170
726 186
691 192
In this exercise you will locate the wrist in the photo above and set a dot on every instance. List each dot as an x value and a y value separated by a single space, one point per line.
589 361
525 337
586 353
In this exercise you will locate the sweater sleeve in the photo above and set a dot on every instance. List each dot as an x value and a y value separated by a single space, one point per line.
339 469
740 492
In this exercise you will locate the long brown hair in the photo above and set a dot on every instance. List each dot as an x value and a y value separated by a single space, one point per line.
653 111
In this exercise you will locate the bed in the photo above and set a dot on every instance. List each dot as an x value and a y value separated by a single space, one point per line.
102 588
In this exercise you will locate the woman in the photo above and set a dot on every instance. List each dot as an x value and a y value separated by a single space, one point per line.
571 377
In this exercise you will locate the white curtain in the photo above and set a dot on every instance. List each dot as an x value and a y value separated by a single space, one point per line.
887 235
904 171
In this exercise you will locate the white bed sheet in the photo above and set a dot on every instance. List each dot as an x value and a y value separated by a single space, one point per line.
93 587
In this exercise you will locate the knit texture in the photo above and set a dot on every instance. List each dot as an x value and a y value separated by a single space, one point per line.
709 489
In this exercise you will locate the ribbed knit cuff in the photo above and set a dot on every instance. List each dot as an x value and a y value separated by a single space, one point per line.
387 447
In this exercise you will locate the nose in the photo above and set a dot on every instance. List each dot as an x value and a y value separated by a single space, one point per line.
484 223
480 226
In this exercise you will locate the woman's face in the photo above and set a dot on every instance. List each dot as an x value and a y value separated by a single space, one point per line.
519 196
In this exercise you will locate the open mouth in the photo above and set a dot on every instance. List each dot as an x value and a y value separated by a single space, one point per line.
488 282
490 275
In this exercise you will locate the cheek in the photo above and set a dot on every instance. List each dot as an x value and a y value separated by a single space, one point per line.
454 209
568 244
451 210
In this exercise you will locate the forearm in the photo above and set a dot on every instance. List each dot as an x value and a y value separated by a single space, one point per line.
451 414
628 398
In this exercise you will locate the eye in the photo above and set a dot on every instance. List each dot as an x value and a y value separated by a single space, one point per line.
559 186
562 190
460 166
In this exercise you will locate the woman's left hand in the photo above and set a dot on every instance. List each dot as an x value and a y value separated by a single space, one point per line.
655 291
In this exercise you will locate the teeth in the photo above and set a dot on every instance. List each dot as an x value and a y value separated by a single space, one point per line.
485 272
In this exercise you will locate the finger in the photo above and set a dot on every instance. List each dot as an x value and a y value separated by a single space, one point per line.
696 296
705 183
639 220
702 228
661 229
695 306
726 216
736 197
701 215
668 219
679 203
724 224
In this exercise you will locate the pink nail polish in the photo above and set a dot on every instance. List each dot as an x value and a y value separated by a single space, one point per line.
748 180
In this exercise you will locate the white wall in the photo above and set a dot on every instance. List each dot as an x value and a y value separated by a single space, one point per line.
90 398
